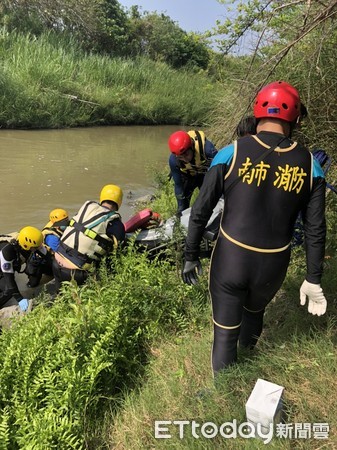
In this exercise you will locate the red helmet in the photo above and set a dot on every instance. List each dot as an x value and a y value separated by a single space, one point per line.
179 142
278 100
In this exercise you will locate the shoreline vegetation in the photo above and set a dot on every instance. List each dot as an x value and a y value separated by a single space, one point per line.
97 367
48 83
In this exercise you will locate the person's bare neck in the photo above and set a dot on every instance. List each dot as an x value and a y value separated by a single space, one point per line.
108 205
274 126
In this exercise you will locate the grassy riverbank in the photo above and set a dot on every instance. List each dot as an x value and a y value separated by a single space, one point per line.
47 83
97 367
64 366
297 351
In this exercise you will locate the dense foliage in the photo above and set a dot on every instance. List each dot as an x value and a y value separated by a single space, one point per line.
104 27
160 38
293 41
63 364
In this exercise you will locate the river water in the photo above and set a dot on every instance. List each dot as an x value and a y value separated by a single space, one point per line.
45 169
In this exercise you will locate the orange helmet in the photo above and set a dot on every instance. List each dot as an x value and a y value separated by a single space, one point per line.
278 100
179 142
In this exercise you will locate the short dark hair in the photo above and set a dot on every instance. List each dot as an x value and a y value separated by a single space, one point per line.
247 125
110 202
304 111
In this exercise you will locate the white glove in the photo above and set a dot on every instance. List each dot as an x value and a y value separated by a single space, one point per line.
317 301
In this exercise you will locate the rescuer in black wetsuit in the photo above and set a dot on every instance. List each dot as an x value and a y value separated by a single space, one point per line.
251 255
13 253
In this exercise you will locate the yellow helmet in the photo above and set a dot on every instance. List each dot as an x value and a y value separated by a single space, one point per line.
59 217
111 193
30 237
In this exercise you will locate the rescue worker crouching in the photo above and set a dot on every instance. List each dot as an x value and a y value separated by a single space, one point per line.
13 254
91 234
53 230
40 261
191 156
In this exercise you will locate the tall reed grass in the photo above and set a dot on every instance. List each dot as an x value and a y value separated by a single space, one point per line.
48 83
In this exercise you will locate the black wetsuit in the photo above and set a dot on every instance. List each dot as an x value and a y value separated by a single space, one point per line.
10 262
252 253
38 264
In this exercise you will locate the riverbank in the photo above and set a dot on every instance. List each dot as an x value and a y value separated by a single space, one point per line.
48 83
101 363
296 351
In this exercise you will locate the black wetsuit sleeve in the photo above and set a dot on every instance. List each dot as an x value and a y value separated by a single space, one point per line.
178 183
210 150
315 231
116 228
210 193
9 287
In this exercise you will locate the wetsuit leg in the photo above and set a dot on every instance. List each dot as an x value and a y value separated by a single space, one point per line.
80 276
57 275
251 328
62 274
242 282
4 298
265 280
8 290
228 291
34 281
224 351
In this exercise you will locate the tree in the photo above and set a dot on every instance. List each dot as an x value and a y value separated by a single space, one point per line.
294 41
113 29
99 25
160 38
58 15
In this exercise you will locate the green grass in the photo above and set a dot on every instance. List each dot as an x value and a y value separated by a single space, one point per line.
97 367
296 350
50 84
63 366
